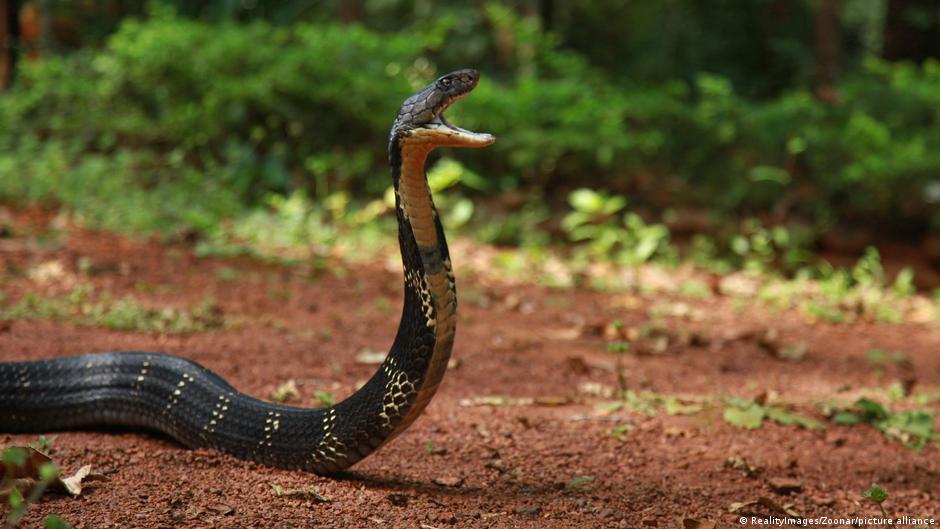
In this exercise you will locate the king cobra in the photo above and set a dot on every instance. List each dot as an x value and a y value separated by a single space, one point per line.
198 408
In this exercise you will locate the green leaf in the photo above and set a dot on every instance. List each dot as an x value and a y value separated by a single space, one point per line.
674 406
619 433
580 483
54 521
325 398
15 499
48 472
749 418
846 418
875 494
14 456
871 410
768 173
460 212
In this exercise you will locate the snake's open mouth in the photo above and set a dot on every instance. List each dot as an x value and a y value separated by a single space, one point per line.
454 136
421 118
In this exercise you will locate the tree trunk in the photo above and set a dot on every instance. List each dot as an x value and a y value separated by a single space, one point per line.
350 11
9 37
912 30
826 47
547 14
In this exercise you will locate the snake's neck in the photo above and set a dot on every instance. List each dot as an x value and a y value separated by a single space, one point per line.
426 333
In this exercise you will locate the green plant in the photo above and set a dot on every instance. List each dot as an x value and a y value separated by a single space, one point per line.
580 484
876 495
84 306
326 398
17 461
751 415
915 428
595 221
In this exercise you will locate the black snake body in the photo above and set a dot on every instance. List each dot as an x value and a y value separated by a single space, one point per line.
200 409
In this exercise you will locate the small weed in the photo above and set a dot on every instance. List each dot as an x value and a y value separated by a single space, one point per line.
876 495
42 444
286 391
54 521
751 415
879 357
227 273
649 403
618 346
627 241
325 398
83 306
17 461
383 306
580 484
694 288
620 432
914 428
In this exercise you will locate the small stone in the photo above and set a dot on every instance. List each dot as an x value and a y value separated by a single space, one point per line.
528 509
398 499
785 485
449 481
221 508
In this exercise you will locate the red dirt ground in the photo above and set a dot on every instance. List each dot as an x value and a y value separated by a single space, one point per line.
465 463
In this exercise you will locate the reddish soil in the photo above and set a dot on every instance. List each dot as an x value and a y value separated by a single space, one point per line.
476 465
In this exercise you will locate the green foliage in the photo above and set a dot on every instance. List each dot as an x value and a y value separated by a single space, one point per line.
82 305
877 495
627 240
751 415
580 484
326 398
38 474
915 428
54 521
170 111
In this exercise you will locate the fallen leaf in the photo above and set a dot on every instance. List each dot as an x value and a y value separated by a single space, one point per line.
571 333
221 508
698 523
740 463
781 509
370 357
286 392
77 481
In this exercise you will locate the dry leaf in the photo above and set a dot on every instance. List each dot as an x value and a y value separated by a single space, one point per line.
370 357
698 523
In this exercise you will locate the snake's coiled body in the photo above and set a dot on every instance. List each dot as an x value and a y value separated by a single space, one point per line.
200 409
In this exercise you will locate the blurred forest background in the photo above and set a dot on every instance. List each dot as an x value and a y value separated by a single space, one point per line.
735 133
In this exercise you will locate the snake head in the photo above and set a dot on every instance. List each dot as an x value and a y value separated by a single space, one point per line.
421 118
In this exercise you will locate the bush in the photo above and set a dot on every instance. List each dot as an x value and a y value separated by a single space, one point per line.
172 111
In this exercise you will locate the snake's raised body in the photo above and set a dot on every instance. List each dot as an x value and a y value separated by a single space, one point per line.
200 409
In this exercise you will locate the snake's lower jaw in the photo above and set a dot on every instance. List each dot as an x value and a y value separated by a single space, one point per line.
441 135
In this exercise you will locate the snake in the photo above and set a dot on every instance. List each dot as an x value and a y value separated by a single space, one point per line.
199 409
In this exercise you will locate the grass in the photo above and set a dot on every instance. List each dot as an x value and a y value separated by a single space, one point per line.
84 306
913 426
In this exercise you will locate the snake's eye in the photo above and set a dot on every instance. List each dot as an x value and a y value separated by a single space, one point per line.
445 82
